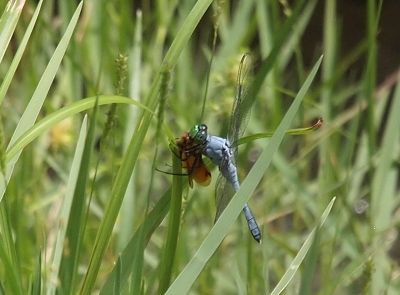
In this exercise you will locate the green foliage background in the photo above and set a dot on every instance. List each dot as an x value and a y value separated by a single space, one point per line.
93 92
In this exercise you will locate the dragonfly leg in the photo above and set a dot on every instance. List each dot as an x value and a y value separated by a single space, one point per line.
195 163
171 173
193 149
251 222
173 151
187 155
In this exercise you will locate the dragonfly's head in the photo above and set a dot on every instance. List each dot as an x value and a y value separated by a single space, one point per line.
198 133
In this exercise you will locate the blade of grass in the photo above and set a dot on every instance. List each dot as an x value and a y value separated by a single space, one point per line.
169 250
310 263
292 43
151 222
8 22
78 214
18 55
2 291
59 115
349 273
168 258
269 62
8 253
383 194
281 38
233 35
37 283
66 210
371 70
135 67
117 284
292 269
297 131
127 218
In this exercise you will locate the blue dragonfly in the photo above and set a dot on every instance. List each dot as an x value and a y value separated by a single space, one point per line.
223 151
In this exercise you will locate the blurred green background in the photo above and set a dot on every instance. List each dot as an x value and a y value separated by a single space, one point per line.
92 94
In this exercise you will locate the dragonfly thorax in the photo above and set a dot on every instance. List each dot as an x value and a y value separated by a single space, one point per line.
198 134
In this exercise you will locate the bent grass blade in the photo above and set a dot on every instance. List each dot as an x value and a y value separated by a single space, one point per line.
297 131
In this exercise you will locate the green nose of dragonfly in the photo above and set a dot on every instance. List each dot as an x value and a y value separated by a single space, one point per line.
198 133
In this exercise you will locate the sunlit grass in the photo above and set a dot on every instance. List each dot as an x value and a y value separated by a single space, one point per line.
84 213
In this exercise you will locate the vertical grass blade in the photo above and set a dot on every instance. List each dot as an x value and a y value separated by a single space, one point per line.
77 219
65 214
169 251
117 283
8 250
134 63
18 55
37 282
329 65
371 70
383 194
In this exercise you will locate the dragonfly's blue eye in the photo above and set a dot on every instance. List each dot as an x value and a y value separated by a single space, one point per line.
198 133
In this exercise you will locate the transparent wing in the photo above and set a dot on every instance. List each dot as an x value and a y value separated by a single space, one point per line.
228 181
223 193
239 119
243 101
